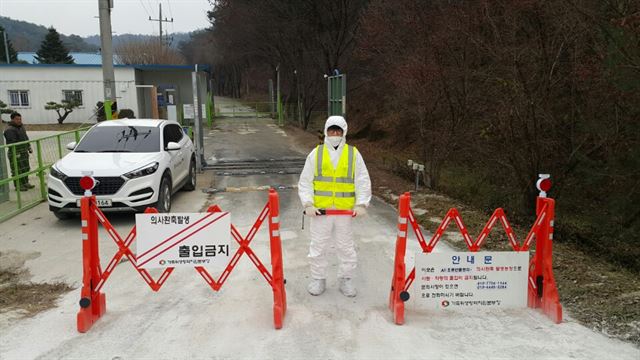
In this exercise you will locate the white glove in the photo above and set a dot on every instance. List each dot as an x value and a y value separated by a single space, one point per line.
359 210
311 211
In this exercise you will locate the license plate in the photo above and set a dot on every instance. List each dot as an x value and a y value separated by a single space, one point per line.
100 202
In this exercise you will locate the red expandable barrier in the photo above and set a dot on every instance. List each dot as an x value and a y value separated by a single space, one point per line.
92 300
542 288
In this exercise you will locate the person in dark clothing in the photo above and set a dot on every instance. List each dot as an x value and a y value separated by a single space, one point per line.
15 133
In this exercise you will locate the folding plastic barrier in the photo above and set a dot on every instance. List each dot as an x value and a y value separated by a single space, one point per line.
93 303
542 289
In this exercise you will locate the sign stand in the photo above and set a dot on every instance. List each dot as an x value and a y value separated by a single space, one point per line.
542 288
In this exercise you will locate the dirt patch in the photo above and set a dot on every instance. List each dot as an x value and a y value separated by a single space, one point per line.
600 295
25 298
28 299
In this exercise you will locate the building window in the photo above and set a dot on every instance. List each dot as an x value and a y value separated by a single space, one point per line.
72 96
19 97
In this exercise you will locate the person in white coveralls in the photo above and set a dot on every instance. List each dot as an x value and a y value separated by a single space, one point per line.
334 177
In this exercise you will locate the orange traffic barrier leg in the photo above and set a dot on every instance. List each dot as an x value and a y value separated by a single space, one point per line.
543 291
92 303
277 280
398 295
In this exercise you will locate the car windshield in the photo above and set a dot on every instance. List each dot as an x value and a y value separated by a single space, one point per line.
121 139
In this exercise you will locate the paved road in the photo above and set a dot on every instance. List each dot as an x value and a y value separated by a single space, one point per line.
185 319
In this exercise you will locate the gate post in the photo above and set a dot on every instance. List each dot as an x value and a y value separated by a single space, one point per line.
546 295
277 280
92 304
398 295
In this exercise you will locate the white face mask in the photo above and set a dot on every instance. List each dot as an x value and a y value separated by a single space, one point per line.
334 140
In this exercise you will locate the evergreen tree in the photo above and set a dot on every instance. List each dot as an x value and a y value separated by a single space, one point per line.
52 51
13 55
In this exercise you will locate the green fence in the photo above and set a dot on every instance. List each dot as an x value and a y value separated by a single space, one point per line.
45 152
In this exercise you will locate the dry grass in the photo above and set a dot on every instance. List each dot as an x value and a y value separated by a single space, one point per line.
28 299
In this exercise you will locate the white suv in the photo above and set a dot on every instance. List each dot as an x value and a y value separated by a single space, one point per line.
138 163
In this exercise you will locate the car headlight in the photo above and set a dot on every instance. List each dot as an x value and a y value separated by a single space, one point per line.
143 171
57 173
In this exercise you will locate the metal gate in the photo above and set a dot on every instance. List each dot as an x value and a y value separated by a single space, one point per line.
337 94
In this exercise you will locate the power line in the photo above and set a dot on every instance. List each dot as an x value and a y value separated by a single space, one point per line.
145 8
173 30
170 12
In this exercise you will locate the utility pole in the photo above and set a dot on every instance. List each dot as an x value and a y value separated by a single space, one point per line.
160 21
6 47
279 104
104 7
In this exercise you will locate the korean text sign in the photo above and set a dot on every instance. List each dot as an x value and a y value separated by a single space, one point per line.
183 239
472 280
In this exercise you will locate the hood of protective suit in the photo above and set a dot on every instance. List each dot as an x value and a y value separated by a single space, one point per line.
337 121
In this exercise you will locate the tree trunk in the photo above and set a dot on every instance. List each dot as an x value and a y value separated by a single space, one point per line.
64 116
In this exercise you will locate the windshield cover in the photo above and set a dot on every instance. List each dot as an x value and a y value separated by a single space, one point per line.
140 139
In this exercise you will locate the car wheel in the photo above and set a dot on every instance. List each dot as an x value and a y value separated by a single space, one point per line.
164 195
190 185
62 215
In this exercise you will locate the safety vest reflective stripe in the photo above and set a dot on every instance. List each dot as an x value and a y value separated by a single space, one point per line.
345 194
343 180
350 169
337 194
320 153
323 193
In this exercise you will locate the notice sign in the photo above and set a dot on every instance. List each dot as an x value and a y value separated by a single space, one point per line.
188 111
183 239
464 280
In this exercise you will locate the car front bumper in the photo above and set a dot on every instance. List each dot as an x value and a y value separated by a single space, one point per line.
133 195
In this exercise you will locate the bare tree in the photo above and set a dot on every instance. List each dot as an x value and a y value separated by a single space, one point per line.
146 52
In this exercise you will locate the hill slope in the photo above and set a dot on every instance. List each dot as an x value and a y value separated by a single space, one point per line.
27 36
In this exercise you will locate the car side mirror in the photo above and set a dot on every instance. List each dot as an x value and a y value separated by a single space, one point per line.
172 146
71 145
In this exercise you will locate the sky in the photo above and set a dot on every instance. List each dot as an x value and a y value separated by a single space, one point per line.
127 16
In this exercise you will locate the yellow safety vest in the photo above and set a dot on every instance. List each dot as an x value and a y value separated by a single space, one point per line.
335 188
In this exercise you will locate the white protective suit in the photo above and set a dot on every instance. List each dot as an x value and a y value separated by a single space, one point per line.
322 226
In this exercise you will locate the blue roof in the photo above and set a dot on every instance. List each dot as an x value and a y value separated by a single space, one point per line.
80 58
143 67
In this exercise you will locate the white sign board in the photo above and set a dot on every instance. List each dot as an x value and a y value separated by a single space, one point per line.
188 111
183 239
465 280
